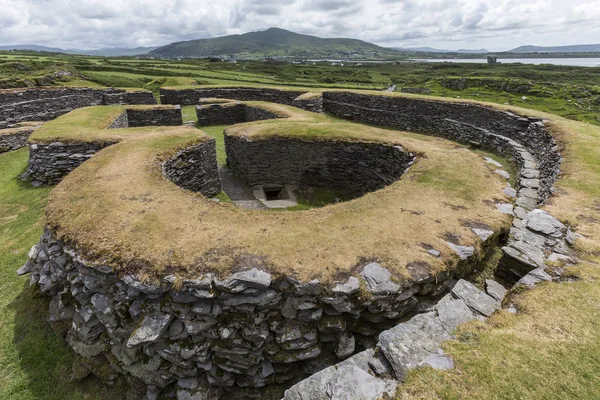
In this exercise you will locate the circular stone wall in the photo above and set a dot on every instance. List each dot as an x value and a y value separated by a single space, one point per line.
146 297
351 168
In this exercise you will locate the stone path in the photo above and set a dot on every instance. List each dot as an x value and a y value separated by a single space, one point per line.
240 194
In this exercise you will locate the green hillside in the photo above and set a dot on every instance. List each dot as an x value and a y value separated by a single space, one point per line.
273 42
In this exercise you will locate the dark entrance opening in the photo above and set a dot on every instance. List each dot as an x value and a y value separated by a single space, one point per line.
273 193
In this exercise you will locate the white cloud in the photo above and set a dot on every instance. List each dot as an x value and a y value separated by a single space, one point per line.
495 24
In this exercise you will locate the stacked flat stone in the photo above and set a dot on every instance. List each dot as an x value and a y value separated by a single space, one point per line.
462 122
154 117
524 141
351 168
49 163
43 104
248 330
374 373
231 113
16 138
288 97
195 168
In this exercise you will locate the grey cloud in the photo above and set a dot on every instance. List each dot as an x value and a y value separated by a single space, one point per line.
458 23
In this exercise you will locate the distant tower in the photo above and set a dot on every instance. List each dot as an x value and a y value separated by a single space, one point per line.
492 60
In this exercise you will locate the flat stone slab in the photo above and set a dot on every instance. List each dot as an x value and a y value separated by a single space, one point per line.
344 382
505 208
409 343
463 252
492 161
494 289
541 221
503 173
438 360
475 298
484 234
150 329
453 312
534 277
243 280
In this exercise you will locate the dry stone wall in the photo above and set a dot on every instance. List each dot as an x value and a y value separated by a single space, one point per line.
16 139
50 162
462 122
248 330
231 113
43 104
154 117
350 168
195 168
288 97
222 337
536 237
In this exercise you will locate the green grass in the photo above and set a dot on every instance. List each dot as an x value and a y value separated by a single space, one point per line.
216 131
34 362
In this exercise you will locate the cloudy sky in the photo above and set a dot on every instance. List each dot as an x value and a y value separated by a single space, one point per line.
452 24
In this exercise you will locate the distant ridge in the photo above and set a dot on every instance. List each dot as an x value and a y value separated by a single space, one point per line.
107 52
32 47
578 48
273 42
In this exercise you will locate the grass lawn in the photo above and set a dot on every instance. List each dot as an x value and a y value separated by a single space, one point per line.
551 348
35 363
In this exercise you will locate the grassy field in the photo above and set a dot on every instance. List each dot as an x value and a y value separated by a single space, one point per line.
572 92
35 363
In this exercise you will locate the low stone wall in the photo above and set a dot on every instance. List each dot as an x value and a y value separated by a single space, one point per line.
221 114
350 168
154 117
289 97
248 330
231 113
43 104
195 169
462 122
14 140
49 163
535 237
215 337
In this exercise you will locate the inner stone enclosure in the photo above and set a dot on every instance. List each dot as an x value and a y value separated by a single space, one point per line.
230 336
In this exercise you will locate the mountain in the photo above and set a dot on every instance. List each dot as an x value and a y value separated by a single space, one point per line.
32 47
578 48
433 50
273 42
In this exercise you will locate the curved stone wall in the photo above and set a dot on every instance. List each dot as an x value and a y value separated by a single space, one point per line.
463 122
246 330
50 162
229 113
192 96
15 138
352 168
43 104
195 168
